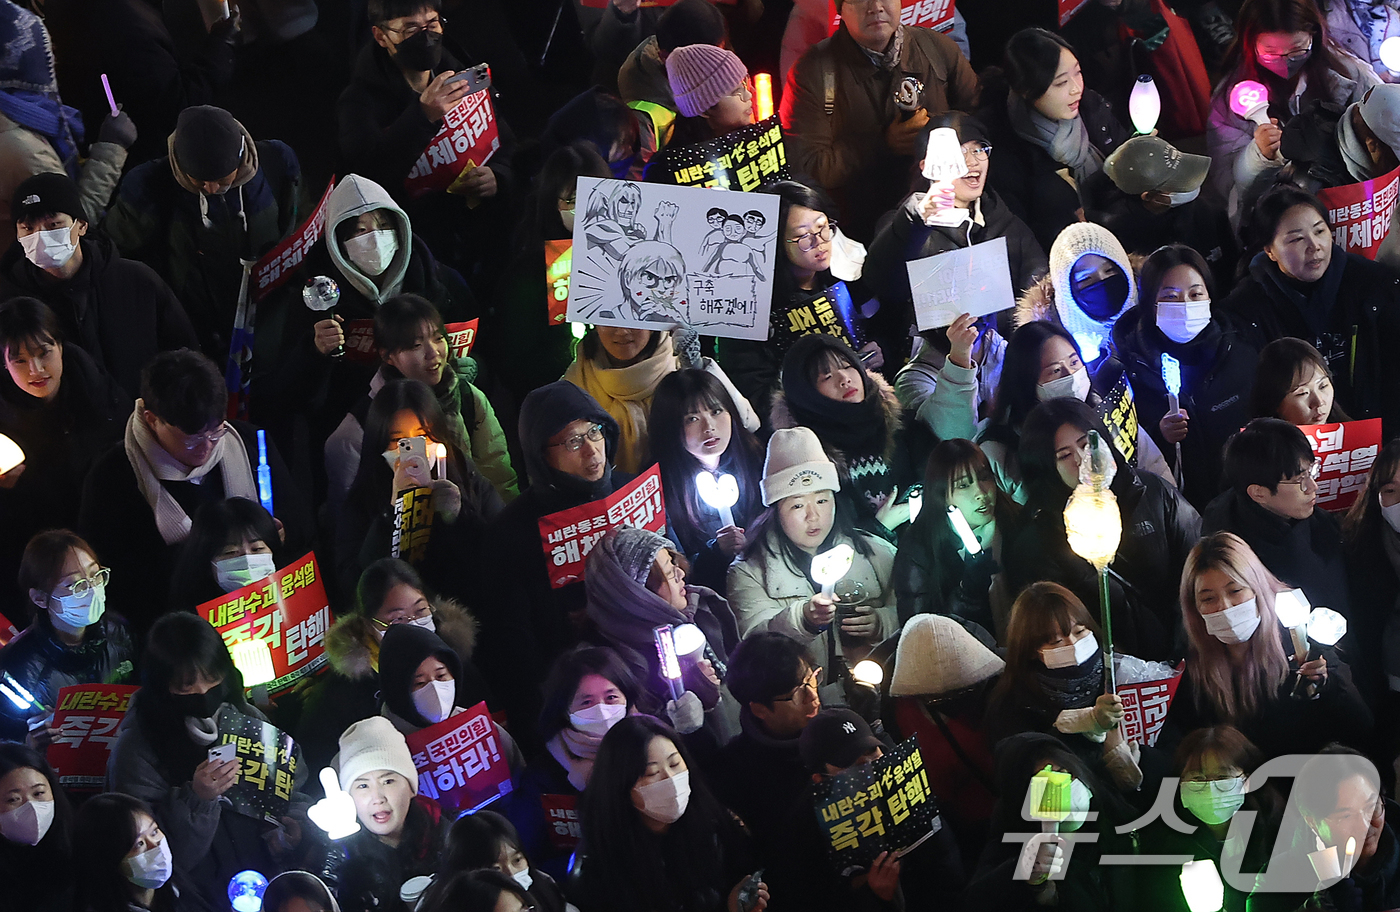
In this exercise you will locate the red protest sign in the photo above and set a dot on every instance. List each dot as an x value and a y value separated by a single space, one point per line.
558 264
1069 8
460 338
275 266
561 812
1347 451
459 761
931 14
1360 214
468 138
1145 706
288 611
87 719
570 534
359 342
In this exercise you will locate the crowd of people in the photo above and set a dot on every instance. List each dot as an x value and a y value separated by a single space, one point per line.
1189 304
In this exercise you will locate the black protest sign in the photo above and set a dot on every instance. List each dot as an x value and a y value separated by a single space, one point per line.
1118 413
742 159
829 310
267 766
884 806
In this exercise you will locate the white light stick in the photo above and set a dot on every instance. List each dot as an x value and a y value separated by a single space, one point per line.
440 451
960 525
1390 54
1171 376
1292 607
334 813
916 504
869 672
1350 856
1144 104
10 454
666 653
687 640
1326 626
720 493
1200 884
831 565
943 164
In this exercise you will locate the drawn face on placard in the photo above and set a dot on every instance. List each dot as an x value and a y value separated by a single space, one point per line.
652 276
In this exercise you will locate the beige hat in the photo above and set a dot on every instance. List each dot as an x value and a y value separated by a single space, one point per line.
374 744
937 655
796 464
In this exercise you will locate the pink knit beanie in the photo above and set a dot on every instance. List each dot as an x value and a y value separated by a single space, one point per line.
702 74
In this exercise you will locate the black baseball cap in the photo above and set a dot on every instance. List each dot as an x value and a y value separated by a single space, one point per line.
836 736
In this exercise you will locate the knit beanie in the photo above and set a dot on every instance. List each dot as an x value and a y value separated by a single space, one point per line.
702 74
689 22
47 193
796 464
937 655
633 550
374 744
1076 241
208 142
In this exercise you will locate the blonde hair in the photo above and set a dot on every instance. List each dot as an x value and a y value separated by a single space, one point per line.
1234 692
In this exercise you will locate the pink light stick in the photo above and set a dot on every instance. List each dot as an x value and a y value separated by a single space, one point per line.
1250 100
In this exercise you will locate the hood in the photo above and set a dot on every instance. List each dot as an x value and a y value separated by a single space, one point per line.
402 650
1078 240
352 643
352 198
291 884
545 412
247 168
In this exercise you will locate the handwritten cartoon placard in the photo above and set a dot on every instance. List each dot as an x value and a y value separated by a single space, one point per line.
973 280
651 256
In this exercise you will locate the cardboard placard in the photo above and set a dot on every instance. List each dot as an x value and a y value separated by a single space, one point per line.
1360 214
359 342
973 280
467 140
1347 451
648 256
568 536
1118 412
413 524
558 264
1145 706
87 717
459 761
884 806
267 766
828 311
561 813
288 611
743 159
278 264
931 14
1069 9
461 337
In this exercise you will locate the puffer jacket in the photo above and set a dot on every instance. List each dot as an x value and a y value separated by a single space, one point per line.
768 593
25 153
349 692
42 663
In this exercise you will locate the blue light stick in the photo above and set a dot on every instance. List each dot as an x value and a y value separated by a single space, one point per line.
264 473
1171 376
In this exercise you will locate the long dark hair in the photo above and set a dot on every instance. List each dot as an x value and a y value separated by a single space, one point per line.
1044 486
1032 59
677 395
41 567
1262 221
471 891
1158 264
57 840
1020 372
758 547
1256 17
381 576
637 870
105 831
569 670
1363 522
474 842
1041 612
794 193
1282 365
214 525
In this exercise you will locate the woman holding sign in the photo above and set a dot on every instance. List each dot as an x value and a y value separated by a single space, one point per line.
232 543
1292 382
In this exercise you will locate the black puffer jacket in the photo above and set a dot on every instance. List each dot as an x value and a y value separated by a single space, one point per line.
1217 372
43 664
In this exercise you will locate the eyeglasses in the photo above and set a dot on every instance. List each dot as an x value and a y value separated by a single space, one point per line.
977 151
811 239
408 31
418 615
1310 474
193 442
811 682
98 581
1290 56
575 443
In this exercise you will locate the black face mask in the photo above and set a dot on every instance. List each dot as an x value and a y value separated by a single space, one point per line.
422 51
199 706
1103 300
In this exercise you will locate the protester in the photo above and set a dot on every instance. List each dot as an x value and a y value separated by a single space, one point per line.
1293 382
116 310
476 891
951 368
714 95
625 137
298 891
854 131
642 76
1091 284
127 859
232 543
36 831
1366 134
486 841
72 640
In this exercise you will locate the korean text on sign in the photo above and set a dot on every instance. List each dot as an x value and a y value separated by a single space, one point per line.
267 765
413 524
932 14
459 761
558 266
87 717
1346 452
569 535
561 815
882 806
460 339
288 611
468 138
1360 214
1145 706
744 159
281 261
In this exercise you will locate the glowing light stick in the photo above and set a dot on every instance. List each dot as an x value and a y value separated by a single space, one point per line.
335 813
670 665
1144 104
687 639
264 473
254 659
1292 608
112 102
1250 100
721 493
763 96
1093 528
440 452
943 164
831 565
10 454
19 694
869 672
1390 54
1200 884
960 525
245 891
1171 376
1350 856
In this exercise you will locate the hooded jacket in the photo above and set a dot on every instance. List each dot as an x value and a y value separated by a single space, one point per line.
196 241
117 310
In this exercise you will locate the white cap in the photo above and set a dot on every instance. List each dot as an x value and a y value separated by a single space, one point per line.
374 744
937 655
796 464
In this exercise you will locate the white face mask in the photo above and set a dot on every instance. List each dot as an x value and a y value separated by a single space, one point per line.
374 251
523 878
151 869
1213 802
1076 385
1183 321
78 611
27 823
1079 798
49 249
665 801
1235 624
425 622
598 718
1391 515
237 572
1070 656
434 699
567 217
1181 199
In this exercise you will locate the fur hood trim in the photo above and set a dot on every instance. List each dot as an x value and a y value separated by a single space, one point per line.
1038 301
352 646
781 416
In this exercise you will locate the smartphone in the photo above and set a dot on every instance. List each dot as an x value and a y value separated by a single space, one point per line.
414 446
223 753
477 77
748 893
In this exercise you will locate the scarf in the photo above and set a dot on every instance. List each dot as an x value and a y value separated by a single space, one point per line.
625 394
575 751
153 465
857 429
1066 141
29 89
1073 688
1314 301
887 59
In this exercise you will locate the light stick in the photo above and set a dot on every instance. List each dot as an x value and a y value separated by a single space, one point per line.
869 672
440 452
1292 608
1200 884
1250 100
264 473
763 96
721 493
943 164
687 640
960 525
254 659
10 454
916 503
19 694
1326 626
1390 54
335 813
1144 104
670 666
831 565
1350 856
245 891
111 102
1171 376
1093 528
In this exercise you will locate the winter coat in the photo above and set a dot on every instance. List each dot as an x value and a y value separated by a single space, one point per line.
44 664
1351 315
481 430
839 141
25 153
195 240
117 310
1217 372
768 593
524 349
1201 223
933 575
1377 886
938 391
1028 179
349 691
1360 27
642 76
760 778
1159 530
1239 171
20 865
116 520
1373 582
368 872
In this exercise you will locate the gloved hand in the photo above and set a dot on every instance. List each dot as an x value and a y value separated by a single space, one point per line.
334 813
1080 721
686 342
447 499
978 571
118 129
687 715
1042 858
1121 761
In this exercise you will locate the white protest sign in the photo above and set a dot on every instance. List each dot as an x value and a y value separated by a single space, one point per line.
975 280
